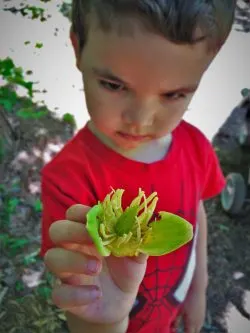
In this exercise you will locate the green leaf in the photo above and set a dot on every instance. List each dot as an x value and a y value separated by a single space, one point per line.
2 190
8 98
19 73
39 45
38 206
126 221
166 235
31 258
62 316
14 75
12 204
92 227
19 286
44 292
18 243
30 113
245 92
223 227
69 119
6 67
6 103
50 278
4 238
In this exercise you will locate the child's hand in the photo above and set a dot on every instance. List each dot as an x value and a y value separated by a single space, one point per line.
193 311
99 290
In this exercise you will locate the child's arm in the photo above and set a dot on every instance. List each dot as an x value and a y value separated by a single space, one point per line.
194 307
200 279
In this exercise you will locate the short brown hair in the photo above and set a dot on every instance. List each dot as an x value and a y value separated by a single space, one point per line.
177 20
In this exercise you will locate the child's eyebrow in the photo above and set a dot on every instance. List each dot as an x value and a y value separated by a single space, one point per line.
185 89
107 74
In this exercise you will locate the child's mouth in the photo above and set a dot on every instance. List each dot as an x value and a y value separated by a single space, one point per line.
130 137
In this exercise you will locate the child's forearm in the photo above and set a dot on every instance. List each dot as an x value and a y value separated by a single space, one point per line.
78 325
200 278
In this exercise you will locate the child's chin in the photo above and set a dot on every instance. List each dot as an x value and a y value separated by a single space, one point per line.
127 146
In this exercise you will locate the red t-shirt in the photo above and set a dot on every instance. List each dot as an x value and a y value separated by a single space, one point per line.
84 172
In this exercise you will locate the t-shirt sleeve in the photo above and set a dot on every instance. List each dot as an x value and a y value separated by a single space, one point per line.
55 204
56 199
214 180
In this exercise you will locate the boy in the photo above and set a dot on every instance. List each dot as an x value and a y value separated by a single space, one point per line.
141 63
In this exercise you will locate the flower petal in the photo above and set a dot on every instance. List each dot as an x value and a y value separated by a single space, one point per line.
129 249
92 226
166 235
116 202
126 221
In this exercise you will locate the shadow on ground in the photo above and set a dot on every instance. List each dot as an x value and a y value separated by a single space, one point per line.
27 145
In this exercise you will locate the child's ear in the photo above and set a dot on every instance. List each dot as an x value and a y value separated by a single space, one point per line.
75 44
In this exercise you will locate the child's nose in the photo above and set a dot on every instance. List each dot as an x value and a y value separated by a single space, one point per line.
140 114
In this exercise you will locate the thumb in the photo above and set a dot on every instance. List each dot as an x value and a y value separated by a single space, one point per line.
127 272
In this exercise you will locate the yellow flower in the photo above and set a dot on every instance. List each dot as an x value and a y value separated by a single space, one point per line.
130 232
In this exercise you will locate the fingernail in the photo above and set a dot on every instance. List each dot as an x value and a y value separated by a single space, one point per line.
93 266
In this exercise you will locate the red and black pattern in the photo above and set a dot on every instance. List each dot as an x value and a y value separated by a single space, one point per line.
156 305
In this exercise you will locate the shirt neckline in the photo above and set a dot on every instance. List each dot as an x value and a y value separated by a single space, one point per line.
109 156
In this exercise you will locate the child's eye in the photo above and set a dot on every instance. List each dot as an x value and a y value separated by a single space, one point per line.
112 86
173 96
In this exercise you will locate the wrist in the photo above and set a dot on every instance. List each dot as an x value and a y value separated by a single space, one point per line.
78 325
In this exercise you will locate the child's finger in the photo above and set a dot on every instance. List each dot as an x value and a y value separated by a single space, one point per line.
60 261
68 296
69 232
77 213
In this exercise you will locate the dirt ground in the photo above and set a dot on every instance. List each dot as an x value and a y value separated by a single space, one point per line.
24 285
25 306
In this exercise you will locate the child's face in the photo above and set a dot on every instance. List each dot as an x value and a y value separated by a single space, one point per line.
138 87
